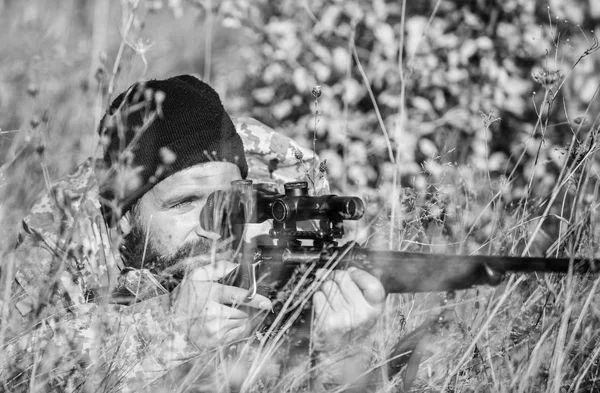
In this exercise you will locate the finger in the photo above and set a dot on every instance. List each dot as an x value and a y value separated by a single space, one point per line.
219 311
256 319
226 294
202 297
370 286
216 333
218 328
320 305
198 320
348 288
235 334
213 271
323 274
194 261
333 295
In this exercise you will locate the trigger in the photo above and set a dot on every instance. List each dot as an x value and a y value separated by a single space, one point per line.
252 285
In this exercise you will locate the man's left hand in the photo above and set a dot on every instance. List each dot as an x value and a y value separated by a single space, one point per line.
347 303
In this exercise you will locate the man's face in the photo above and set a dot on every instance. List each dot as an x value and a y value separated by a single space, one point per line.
166 220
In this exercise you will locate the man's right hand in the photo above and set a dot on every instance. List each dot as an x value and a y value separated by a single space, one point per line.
208 310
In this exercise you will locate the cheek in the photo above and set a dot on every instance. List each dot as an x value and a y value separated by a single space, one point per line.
170 233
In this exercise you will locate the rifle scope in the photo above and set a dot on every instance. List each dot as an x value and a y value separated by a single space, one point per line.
242 205
297 205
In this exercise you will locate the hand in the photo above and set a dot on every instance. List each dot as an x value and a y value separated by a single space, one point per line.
348 302
208 310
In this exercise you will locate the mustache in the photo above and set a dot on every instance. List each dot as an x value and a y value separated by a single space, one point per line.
139 252
169 269
199 253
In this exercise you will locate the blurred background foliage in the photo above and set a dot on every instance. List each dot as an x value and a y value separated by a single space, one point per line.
466 126
472 101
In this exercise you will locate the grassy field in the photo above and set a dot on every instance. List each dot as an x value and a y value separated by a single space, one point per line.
475 134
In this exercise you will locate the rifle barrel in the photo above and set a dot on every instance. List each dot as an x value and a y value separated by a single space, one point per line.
403 272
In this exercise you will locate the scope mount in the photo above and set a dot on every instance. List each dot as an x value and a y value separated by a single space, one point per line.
248 203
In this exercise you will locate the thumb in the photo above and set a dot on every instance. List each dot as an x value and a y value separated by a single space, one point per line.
213 271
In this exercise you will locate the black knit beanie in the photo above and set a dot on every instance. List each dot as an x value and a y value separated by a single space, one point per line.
157 128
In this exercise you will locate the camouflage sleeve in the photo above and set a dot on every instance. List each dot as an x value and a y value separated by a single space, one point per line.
104 347
64 249
63 257
274 159
134 346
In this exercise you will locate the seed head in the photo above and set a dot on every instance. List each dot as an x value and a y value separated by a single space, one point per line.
298 154
323 166
547 78
316 91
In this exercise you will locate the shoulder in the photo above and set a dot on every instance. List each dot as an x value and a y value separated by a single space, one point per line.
274 158
74 194
64 240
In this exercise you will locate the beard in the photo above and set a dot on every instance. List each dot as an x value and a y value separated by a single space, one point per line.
139 251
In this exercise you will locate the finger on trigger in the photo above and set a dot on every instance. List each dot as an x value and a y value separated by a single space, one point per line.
217 311
370 286
237 296
213 271
218 327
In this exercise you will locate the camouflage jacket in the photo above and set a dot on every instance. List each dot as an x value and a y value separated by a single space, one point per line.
65 251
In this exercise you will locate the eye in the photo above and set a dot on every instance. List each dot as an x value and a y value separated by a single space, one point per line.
185 204
181 205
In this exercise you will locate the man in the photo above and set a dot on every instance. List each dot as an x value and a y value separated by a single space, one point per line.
153 290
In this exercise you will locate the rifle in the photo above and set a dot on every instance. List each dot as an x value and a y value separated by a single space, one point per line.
270 266
269 269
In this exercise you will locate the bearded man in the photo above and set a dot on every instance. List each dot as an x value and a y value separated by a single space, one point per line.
118 270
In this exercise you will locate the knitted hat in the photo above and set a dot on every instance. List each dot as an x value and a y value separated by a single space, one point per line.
157 128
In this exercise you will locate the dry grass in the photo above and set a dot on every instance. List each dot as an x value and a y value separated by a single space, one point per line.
537 333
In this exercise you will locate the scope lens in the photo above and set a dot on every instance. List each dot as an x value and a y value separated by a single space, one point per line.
351 208
279 210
